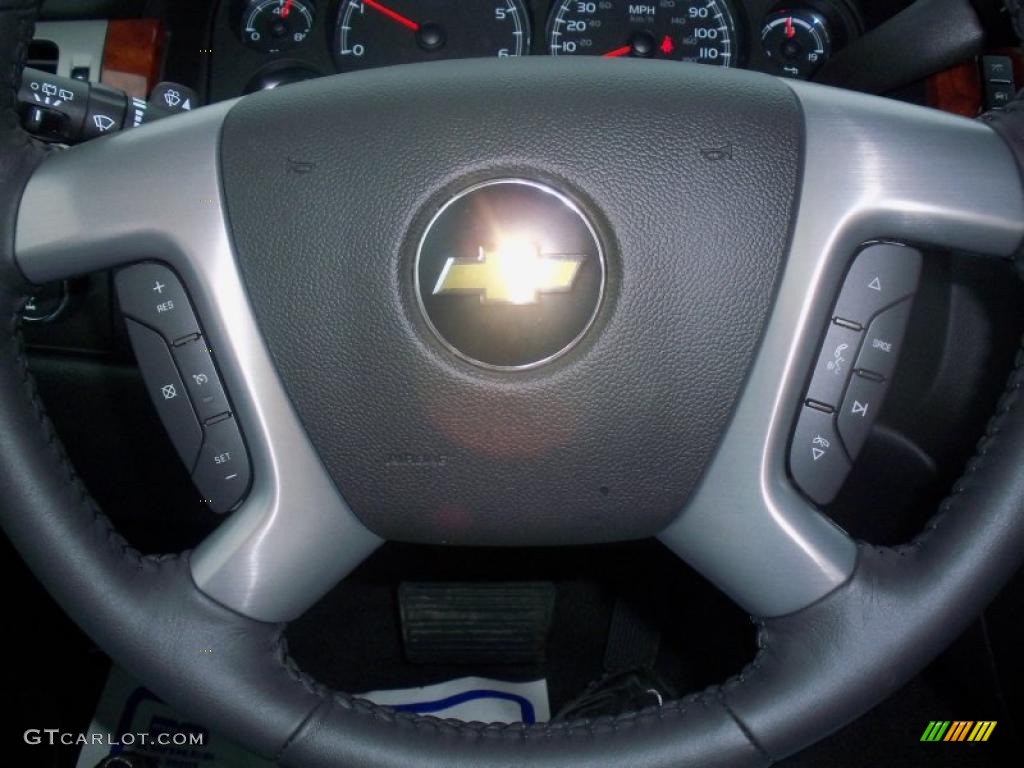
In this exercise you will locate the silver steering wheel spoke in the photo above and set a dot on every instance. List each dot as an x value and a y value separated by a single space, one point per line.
155 194
873 169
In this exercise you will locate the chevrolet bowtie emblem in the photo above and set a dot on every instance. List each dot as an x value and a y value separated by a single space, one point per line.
513 273
509 274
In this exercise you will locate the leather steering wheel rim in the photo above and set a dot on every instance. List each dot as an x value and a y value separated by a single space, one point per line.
816 669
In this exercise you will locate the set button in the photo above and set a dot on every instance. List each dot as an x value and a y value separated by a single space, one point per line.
222 473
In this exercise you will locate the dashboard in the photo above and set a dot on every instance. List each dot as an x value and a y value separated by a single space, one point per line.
151 58
258 44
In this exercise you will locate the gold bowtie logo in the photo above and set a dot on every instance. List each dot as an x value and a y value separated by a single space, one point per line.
513 273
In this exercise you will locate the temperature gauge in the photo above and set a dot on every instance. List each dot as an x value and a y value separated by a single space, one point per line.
797 41
273 25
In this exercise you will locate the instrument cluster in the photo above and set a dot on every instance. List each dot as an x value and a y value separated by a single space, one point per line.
282 41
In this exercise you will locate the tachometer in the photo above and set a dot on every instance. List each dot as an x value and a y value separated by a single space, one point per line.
376 33
684 30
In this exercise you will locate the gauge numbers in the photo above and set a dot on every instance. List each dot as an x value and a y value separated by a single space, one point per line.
682 30
375 33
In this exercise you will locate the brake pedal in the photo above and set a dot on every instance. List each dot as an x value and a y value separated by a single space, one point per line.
496 623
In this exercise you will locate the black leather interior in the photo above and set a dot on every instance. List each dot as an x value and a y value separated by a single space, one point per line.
816 669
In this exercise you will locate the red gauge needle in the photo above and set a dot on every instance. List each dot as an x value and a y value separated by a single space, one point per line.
286 8
613 54
393 15
790 31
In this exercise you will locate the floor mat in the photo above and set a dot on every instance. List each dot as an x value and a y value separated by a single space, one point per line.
473 699
130 718
128 713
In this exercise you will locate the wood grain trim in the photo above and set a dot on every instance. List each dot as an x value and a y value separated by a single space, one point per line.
956 90
959 89
133 55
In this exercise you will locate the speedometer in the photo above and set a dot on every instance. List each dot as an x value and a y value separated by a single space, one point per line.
683 30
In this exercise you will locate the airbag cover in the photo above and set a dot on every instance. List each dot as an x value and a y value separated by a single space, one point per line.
689 176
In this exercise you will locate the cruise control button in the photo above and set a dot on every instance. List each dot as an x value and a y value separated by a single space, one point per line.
222 472
884 340
152 294
835 363
816 459
200 375
167 391
881 275
860 407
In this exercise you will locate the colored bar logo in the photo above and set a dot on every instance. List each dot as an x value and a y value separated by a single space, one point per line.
958 730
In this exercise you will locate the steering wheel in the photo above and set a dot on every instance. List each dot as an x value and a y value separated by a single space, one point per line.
721 210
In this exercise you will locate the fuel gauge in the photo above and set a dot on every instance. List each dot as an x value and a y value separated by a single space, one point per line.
797 41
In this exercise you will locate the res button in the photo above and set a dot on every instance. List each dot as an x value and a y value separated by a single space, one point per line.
153 295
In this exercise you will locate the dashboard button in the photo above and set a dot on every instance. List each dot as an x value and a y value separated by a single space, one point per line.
153 295
200 375
881 275
835 362
998 95
884 340
167 391
222 472
861 405
997 69
816 459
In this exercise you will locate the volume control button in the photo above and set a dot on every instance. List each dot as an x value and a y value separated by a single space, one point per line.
881 275
817 461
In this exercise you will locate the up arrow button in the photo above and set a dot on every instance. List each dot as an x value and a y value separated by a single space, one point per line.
880 276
